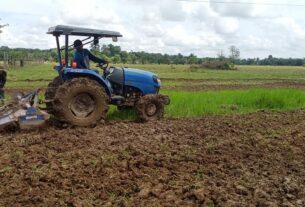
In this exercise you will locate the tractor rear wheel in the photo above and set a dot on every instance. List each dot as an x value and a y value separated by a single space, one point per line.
81 102
51 91
149 108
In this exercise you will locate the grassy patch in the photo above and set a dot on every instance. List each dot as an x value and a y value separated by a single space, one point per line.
115 114
200 103
194 104
43 72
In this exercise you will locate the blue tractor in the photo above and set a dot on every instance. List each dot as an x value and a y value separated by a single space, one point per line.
81 96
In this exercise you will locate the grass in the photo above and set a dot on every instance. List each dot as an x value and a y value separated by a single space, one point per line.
114 114
194 104
39 75
198 103
32 73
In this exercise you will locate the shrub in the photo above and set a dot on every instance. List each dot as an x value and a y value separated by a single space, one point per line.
215 65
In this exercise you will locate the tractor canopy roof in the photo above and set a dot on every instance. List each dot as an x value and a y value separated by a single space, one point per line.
79 31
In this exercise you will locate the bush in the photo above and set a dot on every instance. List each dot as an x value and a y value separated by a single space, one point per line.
216 65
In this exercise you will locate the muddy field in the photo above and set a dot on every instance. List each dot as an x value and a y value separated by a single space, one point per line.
207 85
243 160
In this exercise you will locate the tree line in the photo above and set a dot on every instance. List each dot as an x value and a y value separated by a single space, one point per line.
270 60
115 54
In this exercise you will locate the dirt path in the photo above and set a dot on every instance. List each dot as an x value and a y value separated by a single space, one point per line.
205 85
243 160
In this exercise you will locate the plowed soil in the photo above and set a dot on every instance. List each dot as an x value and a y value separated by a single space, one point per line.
202 85
242 160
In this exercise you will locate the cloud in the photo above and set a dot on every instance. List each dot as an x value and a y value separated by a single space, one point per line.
256 43
233 9
203 13
88 14
172 10
151 17
153 30
166 26
227 25
247 9
289 25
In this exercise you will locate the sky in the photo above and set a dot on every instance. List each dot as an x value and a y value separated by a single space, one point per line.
165 26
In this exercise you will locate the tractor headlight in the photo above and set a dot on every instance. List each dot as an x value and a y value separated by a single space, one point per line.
156 80
159 81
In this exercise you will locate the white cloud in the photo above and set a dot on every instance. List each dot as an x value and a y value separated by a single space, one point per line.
151 17
292 28
153 30
233 9
90 13
203 13
166 26
227 25
172 10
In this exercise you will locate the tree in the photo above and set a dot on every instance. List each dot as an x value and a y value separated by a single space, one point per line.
116 59
234 53
221 55
132 58
124 57
95 49
192 59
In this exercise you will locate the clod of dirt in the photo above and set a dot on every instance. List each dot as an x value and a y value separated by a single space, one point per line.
241 190
144 193
241 160
157 190
200 194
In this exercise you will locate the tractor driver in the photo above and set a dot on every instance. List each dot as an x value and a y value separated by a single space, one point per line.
83 56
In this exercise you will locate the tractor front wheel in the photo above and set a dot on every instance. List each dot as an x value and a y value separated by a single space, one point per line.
150 108
81 102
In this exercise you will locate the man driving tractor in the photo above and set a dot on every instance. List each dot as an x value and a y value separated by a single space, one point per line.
83 56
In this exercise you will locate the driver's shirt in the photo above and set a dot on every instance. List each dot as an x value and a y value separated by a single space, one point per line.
83 57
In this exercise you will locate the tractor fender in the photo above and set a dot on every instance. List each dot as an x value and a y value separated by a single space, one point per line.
70 73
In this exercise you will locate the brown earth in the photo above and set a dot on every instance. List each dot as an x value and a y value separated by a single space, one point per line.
256 159
204 85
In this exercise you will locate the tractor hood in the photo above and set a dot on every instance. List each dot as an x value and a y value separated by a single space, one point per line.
132 74
145 81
